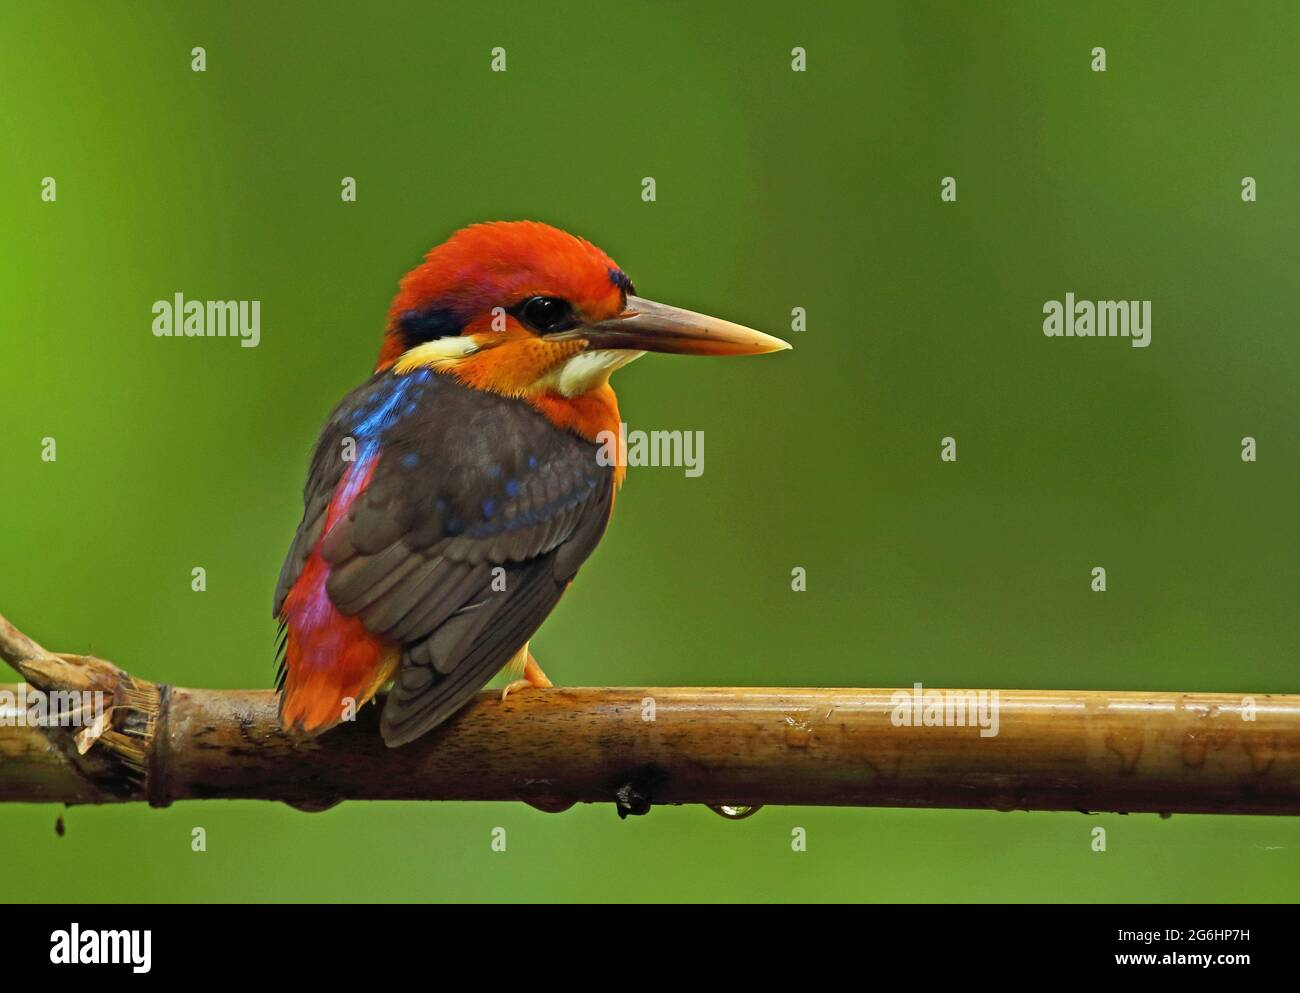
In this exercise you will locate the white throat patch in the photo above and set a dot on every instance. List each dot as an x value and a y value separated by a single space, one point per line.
586 370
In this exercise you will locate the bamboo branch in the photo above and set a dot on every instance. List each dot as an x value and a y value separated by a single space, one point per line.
734 747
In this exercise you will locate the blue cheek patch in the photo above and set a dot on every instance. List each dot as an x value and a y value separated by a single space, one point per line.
619 278
419 326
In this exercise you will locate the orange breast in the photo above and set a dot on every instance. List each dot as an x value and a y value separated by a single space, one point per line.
592 415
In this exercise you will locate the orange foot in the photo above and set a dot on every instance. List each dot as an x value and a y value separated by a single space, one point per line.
533 675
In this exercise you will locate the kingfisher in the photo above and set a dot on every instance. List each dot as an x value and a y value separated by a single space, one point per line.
453 495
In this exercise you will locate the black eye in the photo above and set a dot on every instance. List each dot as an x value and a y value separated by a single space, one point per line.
546 314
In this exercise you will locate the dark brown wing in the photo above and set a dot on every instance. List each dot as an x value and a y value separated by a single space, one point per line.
477 514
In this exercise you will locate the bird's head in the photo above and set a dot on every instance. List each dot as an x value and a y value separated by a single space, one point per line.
519 307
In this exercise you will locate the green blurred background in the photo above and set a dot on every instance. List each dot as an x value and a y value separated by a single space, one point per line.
775 189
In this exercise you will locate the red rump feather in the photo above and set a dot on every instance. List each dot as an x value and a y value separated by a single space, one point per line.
330 658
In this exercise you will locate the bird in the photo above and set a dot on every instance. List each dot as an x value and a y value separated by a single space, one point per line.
453 495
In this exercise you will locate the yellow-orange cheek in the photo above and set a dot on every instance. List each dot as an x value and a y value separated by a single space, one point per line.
514 366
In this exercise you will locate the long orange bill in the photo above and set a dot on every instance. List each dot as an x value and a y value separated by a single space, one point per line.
655 327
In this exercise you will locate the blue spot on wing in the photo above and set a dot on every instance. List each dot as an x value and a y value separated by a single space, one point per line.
533 516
